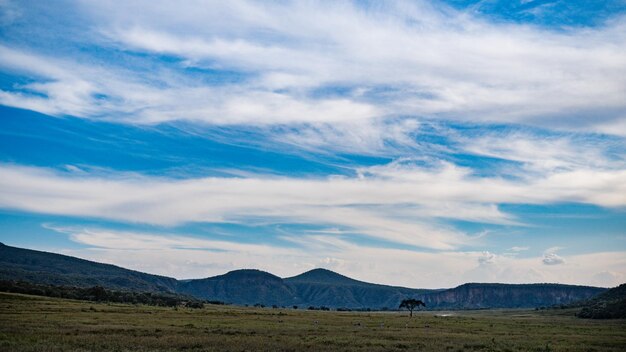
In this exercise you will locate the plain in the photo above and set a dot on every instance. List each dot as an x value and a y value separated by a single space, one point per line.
31 323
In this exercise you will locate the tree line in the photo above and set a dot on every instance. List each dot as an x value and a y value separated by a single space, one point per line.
101 294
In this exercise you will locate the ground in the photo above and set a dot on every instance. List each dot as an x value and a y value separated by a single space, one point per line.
30 323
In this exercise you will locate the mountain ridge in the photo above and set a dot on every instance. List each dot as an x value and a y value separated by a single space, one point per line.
60 269
316 287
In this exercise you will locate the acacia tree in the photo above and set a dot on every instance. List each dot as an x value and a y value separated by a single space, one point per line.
411 304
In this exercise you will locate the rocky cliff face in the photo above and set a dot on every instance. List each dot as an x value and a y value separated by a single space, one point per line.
477 296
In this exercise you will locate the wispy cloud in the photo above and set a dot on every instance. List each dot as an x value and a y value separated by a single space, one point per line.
400 58
397 202
410 47
540 152
519 248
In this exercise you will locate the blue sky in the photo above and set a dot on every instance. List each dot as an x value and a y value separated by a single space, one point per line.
415 143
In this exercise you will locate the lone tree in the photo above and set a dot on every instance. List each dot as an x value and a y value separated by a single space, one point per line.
411 304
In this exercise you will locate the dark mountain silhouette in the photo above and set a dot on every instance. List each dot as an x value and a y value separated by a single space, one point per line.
321 287
324 276
242 287
318 287
56 269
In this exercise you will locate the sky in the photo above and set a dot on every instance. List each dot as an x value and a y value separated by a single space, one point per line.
415 143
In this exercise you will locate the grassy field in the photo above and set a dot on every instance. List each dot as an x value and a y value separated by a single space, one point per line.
29 323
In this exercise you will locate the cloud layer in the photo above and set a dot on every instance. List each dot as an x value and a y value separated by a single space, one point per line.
328 62
396 202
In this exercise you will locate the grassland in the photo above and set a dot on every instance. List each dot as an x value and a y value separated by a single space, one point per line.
29 323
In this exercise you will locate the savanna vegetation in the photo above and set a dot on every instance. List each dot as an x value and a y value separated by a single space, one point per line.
32 323
608 305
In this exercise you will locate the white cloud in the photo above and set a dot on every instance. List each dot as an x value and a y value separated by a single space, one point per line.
552 259
355 204
120 240
79 91
518 248
397 202
581 269
608 278
508 72
543 154
400 58
487 258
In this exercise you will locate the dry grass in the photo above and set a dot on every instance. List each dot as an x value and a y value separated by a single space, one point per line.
29 323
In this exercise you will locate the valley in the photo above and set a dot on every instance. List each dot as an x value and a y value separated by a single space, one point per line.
31 323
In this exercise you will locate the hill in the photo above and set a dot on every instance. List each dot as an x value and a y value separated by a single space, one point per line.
321 287
318 287
100 294
242 287
608 305
324 276
61 270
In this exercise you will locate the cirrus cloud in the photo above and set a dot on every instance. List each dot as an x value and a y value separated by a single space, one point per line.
396 202
372 62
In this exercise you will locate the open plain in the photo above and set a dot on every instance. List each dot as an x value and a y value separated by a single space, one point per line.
31 323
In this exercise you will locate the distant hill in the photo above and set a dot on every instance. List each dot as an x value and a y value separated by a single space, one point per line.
318 287
324 276
608 305
321 287
242 287
61 270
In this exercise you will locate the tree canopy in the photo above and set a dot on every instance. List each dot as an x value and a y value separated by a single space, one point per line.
411 304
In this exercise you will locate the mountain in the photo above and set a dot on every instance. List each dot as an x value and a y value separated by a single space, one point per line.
490 295
608 305
318 287
61 270
242 287
321 287
324 276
